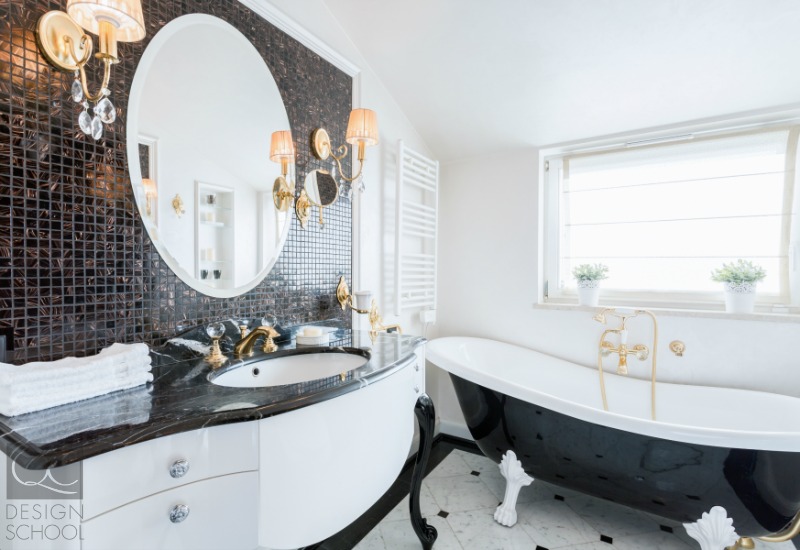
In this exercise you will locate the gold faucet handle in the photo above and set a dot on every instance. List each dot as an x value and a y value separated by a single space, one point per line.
269 345
641 351
607 348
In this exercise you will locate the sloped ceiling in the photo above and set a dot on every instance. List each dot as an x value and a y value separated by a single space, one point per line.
478 78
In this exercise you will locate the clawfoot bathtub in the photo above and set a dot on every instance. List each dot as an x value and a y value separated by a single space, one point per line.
711 456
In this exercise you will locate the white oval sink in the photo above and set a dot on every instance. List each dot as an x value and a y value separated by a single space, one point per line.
290 369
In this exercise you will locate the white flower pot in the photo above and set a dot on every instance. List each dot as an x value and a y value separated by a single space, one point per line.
740 298
588 293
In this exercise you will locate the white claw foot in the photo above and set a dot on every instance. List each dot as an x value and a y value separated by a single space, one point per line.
714 531
516 479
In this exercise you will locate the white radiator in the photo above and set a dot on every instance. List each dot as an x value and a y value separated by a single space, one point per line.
417 228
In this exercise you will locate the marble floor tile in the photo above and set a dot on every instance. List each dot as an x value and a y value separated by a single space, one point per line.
399 535
576 523
552 524
452 465
461 493
610 519
373 540
426 504
652 541
477 530
478 463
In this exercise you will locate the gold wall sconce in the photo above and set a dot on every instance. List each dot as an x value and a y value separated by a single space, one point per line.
362 131
281 149
150 196
65 46
375 320
177 206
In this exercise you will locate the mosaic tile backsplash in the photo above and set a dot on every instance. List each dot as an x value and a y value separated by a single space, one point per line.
77 268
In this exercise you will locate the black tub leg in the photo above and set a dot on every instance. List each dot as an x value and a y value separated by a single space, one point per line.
425 417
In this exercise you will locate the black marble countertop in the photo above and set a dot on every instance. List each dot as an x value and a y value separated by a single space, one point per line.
181 398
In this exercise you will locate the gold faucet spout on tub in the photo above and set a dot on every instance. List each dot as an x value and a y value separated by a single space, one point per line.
244 347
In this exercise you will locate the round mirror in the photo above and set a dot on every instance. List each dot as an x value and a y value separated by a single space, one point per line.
202 108
321 188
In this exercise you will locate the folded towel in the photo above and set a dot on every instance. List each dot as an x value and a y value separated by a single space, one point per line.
35 386
122 408
11 375
74 379
14 407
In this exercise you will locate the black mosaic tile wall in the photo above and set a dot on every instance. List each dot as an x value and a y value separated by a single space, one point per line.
77 268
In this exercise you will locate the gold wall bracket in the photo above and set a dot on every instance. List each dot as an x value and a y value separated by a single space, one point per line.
177 206
302 208
67 47
375 320
54 31
677 347
322 148
282 194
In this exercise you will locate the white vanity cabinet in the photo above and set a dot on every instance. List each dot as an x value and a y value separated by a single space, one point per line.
285 481
192 490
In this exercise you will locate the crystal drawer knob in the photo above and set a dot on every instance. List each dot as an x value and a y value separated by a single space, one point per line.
416 367
178 513
416 389
179 468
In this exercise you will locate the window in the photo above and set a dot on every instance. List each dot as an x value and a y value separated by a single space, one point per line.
663 215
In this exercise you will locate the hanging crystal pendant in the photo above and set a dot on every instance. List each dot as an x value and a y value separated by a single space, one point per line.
346 191
97 128
105 110
85 121
361 186
76 91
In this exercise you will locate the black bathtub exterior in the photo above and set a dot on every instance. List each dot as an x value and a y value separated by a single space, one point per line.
759 489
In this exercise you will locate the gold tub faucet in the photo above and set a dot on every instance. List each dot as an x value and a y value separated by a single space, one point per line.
244 347
639 351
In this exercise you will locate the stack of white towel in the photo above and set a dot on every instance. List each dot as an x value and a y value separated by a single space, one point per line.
36 386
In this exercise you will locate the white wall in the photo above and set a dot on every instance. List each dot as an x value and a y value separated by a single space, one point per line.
488 285
374 259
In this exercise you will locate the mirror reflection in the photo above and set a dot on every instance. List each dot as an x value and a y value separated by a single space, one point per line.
320 190
203 106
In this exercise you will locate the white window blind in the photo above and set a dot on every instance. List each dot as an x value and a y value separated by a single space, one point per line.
662 217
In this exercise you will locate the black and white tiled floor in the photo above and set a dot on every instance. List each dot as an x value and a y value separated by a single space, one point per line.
460 495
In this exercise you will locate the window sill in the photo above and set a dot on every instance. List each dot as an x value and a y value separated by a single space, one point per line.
764 316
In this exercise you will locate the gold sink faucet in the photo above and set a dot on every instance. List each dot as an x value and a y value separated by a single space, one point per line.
244 347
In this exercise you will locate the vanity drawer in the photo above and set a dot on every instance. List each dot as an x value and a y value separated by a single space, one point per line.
118 477
219 513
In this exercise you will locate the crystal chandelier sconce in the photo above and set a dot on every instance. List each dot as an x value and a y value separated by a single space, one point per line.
362 131
281 149
65 45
